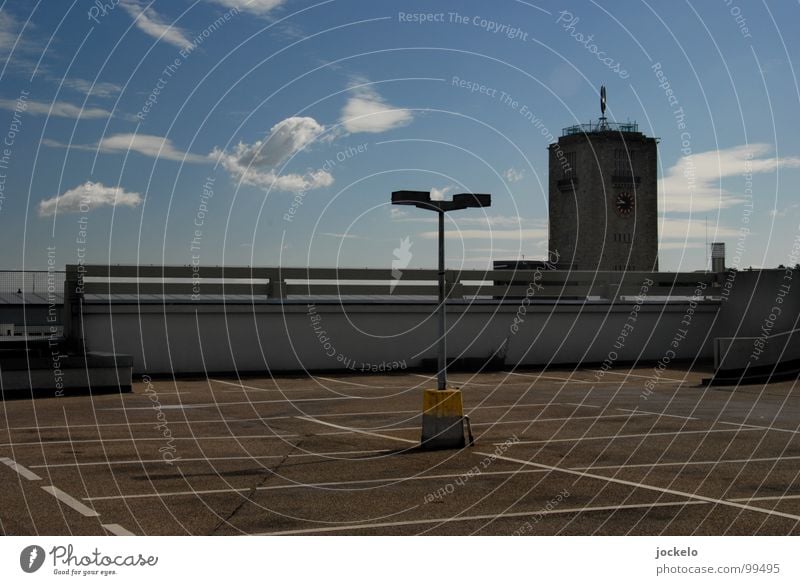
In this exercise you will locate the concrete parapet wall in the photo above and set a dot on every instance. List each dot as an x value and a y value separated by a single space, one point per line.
200 338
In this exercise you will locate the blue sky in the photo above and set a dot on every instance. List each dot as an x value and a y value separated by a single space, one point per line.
272 132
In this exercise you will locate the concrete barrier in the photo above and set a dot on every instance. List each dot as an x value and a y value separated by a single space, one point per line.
442 419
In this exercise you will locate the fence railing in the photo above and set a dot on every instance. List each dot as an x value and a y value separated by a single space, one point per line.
32 281
272 283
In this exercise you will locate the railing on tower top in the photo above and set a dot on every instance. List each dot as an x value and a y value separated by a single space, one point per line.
600 126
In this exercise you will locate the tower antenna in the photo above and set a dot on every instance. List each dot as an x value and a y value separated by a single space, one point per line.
602 106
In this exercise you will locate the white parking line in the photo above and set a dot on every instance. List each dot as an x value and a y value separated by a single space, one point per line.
118 530
237 403
629 375
206 459
67 499
659 413
634 484
352 430
542 377
197 438
227 421
615 437
749 426
24 472
320 485
682 463
348 382
367 526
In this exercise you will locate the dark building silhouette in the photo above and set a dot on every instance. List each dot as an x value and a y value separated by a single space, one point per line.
603 201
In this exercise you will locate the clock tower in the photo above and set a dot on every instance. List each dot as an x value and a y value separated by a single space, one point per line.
603 201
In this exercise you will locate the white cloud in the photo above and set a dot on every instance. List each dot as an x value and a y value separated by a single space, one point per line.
145 144
681 246
8 32
87 197
342 236
257 164
495 220
670 228
780 213
60 109
366 111
396 213
440 194
522 235
99 89
512 175
149 22
693 183
148 145
253 6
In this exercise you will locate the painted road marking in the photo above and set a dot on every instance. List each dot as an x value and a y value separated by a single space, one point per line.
118 530
614 437
634 484
321 485
659 413
348 527
537 377
749 426
67 499
629 375
352 430
335 381
262 418
24 472
481 517
681 463
205 459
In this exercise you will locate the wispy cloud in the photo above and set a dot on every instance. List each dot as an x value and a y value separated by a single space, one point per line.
513 175
440 194
60 109
148 145
258 7
521 235
366 111
86 197
151 23
144 144
343 236
8 33
673 228
99 89
781 213
258 163
693 184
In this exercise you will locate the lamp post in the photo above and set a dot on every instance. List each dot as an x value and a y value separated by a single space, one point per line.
422 199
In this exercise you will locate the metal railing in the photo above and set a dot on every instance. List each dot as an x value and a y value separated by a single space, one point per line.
96 284
600 126
32 281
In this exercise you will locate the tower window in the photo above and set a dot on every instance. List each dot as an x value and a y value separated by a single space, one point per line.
623 162
568 164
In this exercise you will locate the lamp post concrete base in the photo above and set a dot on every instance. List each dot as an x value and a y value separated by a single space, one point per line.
442 420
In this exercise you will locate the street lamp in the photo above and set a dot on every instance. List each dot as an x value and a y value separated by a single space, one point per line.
422 199
442 409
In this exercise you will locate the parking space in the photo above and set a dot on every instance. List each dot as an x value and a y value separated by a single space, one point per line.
556 452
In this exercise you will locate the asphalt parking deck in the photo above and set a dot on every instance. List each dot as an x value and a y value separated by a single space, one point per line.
557 452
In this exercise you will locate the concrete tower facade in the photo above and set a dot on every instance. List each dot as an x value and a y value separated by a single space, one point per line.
603 200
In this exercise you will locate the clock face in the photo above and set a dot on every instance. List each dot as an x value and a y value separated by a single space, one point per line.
625 204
